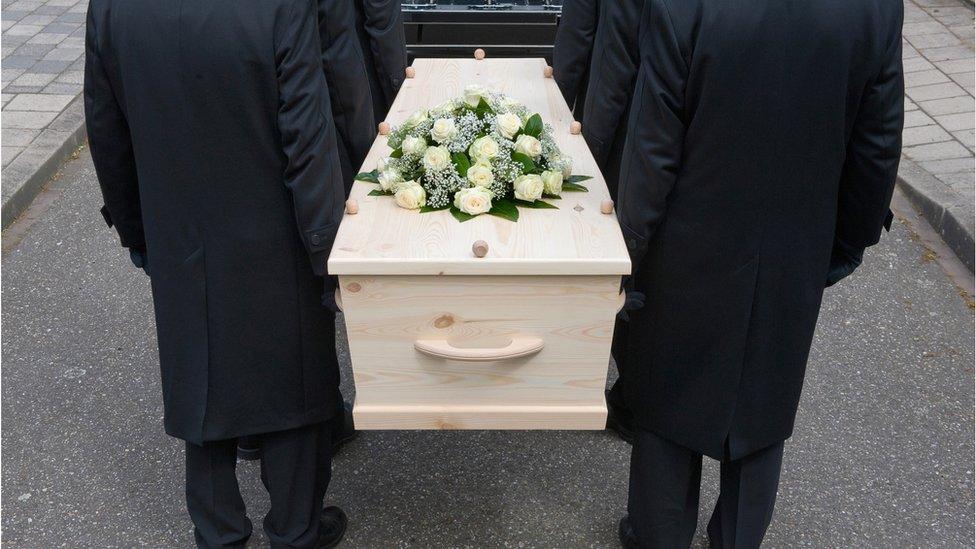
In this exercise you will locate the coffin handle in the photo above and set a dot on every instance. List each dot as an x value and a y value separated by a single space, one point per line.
517 347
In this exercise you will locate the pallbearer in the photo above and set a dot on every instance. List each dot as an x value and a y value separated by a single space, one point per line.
345 66
573 50
763 145
352 111
613 72
382 38
610 88
212 135
364 59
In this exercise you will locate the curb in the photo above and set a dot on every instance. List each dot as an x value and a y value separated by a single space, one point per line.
27 174
951 217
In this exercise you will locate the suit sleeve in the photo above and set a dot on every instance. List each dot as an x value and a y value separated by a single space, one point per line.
349 94
613 71
656 131
384 25
111 147
873 152
573 46
312 171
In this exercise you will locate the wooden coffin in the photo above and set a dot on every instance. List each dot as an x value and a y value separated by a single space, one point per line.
517 339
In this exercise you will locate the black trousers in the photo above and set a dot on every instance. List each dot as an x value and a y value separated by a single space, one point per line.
664 484
616 398
296 466
253 441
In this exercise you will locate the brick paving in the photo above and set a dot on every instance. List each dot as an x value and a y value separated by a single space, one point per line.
43 67
939 118
43 46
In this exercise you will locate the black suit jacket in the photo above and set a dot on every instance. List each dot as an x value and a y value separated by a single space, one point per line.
760 133
345 69
573 49
380 28
613 72
212 136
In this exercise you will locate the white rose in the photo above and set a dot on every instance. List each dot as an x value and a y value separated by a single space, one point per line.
473 200
480 175
443 130
528 187
553 182
508 124
436 158
414 145
483 148
511 104
383 163
446 107
528 145
415 119
388 179
410 195
473 95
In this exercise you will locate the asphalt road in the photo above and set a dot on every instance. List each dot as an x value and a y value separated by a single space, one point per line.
882 455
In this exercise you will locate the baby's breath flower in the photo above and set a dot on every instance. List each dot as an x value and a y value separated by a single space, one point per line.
428 155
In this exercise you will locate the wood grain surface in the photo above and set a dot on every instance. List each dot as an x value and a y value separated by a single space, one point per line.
559 387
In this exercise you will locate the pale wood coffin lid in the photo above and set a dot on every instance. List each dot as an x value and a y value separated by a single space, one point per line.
576 239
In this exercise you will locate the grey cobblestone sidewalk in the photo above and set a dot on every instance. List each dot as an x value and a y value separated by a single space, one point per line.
43 47
939 119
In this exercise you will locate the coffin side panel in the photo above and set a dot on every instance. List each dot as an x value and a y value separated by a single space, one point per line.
559 386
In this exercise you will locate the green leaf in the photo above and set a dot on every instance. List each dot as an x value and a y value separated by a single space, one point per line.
528 165
461 163
505 209
397 153
461 216
377 192
574 188
483 109
547 195
578 178
428 209
534 126
369 177
537 205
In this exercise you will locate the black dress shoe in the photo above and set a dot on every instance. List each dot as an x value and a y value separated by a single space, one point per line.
248 449
622 422
332 527
628 538
344 428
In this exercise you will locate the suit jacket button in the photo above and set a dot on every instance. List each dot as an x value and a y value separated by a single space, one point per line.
315 240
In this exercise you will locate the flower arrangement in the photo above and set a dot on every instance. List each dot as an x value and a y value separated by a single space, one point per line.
482 153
